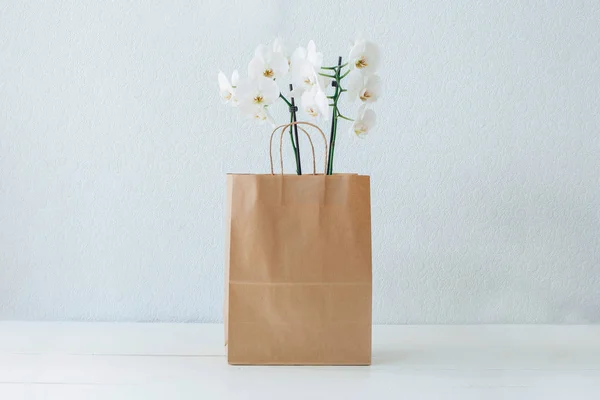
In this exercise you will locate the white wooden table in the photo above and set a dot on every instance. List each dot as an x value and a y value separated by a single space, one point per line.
186 361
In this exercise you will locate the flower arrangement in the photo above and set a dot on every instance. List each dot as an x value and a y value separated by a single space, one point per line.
273 76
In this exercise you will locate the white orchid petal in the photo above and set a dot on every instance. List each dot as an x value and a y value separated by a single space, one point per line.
369 118
316 59
323 82
256 68
374 83
226 91
279 46
322 103
304 76
360 112
308 104
235 78
269 90
364 122
256 112
279 65
355 84
372 89
225 96
298 55
372 54
357 49
307 98
314 102
269 117
245 88
223 82
247 108
234 101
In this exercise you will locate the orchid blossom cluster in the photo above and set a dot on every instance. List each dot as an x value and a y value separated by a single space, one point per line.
272 72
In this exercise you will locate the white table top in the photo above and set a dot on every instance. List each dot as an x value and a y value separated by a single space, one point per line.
42 360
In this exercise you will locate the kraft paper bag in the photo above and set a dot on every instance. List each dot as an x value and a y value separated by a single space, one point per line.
298 274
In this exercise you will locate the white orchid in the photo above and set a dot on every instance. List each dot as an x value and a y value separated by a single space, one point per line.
255 95
309 54
267 63
364 122
280 47
364 56
314 102
260 91
304 76
365 87
305 66
258 113
227 90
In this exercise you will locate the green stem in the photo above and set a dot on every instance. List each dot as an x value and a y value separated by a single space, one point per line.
293 145
336 67
292 135
345 74
327 76
334 118
284 99
343 117
332 142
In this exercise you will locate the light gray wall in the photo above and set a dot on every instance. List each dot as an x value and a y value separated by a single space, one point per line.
485 164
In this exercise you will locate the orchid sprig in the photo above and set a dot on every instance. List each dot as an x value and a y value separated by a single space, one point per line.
271 70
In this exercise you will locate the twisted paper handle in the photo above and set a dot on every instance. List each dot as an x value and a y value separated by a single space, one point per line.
312 147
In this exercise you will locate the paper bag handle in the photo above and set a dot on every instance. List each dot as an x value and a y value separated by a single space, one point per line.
312 147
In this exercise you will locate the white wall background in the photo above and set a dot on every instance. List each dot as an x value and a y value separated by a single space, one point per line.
485 165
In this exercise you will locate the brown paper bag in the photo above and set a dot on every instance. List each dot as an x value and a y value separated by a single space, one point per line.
298 274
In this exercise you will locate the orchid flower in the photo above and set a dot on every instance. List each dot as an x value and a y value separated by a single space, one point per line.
280 47
314 102
227 90
364 122
259 92
255 95
366 88
258 113
364 56
305 76
305 66
267 63
309 54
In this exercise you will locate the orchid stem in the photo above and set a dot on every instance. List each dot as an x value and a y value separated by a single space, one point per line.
343 117
334 118
293 145
336 67
345 74
284 99
293 109
292 134
327 76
